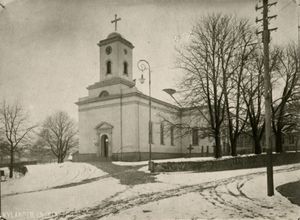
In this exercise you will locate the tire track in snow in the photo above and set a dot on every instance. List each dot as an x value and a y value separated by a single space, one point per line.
111 206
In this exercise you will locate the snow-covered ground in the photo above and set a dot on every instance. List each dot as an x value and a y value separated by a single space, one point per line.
45 176
33 195
238 194
37 204
228 194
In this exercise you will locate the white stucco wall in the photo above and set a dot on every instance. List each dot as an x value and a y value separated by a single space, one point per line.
158 111
92 115
134 121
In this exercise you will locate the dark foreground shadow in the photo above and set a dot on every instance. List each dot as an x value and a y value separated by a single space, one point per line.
128 175
291 192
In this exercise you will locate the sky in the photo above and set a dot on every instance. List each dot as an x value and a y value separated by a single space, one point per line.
49 52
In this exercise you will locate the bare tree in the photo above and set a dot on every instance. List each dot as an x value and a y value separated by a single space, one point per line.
243 47
15 129
252 93
214 63
58 132
287 78
294 120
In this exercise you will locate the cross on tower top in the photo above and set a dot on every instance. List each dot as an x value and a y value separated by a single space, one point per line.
115 21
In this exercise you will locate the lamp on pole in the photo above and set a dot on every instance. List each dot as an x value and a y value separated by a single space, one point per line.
142 66
171 93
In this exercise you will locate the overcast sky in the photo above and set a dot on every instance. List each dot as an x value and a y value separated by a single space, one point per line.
49 52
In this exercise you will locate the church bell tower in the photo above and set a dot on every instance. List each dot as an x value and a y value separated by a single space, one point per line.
115 66
115 56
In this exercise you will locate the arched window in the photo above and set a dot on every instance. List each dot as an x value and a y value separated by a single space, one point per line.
108 67
103 94
125 68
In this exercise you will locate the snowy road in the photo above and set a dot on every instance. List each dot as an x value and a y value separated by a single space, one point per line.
214 196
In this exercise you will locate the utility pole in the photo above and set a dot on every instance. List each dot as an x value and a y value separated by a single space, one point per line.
267 87
298 28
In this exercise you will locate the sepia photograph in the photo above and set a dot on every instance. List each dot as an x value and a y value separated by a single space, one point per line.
149 109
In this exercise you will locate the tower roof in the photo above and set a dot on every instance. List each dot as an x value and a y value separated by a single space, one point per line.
115 36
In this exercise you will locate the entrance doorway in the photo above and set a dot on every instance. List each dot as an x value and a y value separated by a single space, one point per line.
104 146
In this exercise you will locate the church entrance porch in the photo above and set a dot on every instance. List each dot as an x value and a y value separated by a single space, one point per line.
104 146
103 143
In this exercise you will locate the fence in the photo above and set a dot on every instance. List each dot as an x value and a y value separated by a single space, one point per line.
239 162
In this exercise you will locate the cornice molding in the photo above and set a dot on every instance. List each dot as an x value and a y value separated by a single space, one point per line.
110 82
113 39
118 96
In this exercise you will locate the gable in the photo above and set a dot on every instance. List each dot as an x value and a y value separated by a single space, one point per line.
103 126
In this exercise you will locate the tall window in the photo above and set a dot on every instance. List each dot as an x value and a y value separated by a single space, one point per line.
172 135
125 67
108 67
150 132
162 141
195 136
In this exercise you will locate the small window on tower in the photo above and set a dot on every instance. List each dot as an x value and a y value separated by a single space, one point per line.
125 68
108 67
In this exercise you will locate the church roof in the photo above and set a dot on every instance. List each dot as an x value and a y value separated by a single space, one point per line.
115 36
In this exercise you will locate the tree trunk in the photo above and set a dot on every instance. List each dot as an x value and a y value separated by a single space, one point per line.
233 148
278 142
60 159
257 146
218 145
11 165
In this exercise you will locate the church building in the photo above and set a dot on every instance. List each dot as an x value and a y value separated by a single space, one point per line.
114 117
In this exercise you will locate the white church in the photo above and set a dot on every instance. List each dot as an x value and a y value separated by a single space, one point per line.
114 117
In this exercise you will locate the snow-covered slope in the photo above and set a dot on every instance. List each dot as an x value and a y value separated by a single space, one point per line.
44 176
